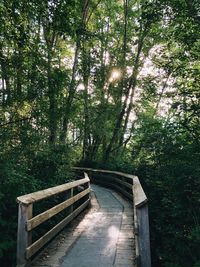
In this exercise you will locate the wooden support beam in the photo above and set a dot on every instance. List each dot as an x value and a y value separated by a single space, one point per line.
24 238
143 236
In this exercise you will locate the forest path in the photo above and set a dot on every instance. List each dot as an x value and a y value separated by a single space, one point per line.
102 236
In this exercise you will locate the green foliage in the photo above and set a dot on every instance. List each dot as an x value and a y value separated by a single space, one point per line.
14 181
22 174
167 162
60 106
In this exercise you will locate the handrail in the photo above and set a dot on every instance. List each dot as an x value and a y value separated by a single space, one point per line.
130 186
26 222
42 194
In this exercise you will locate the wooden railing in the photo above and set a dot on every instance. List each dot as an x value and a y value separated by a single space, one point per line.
72 191
130 187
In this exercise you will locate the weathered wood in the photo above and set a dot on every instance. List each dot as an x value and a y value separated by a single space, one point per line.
137 252
71 195
93 241
143 236
121 182
139 195
37 220
26 223
141 220
39 195
118 187
116 179
87 186
129 176
138 192
31 250
24 238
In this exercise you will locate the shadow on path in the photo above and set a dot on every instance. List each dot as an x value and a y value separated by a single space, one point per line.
102 236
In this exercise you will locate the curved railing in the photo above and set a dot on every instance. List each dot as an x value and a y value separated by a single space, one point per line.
76 197
129 185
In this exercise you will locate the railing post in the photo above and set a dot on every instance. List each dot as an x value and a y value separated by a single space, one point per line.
143 236
89 196
71 195
87 185
24 238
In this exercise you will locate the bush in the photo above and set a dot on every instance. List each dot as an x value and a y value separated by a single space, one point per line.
14 181
21 174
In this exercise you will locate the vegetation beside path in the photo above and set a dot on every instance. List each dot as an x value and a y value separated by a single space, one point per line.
104 84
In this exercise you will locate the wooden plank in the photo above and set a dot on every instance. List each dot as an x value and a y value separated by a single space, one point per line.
31 250
39 195
23 237
37 220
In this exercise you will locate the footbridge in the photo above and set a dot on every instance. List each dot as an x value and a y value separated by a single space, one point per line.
98 220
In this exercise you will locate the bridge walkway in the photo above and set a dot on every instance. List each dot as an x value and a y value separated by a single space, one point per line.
101 236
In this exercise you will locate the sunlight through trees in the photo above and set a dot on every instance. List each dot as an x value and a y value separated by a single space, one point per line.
113 84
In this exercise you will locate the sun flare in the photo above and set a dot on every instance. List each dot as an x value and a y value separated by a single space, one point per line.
115 75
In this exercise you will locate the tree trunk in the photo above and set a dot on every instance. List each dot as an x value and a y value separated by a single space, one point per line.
131 86
5 77
70 97
50 39
72 86
86 73
52 101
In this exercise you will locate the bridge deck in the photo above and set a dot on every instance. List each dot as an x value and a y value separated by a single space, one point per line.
102 236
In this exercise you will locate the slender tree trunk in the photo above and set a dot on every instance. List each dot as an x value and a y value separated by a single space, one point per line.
72 86
86 73
50 39
70 97
19 53
52 101
5 77
124 52
19 75
131 86
122 85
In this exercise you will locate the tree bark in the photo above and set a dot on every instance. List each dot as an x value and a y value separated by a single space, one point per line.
72 86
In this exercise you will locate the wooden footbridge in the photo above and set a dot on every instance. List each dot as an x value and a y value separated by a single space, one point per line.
103 222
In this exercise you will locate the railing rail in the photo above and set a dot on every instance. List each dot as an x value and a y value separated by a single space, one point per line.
129 185
26 222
